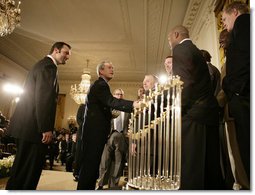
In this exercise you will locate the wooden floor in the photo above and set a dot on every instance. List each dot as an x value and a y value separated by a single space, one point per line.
56 179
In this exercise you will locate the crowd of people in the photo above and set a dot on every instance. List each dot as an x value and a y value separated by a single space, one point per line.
99 148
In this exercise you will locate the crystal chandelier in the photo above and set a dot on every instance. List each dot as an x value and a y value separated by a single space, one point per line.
79 93
9 16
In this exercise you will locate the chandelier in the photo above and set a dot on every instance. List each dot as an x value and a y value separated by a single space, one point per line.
9 16
79 92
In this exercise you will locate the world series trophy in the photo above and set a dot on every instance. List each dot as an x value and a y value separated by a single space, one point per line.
154 161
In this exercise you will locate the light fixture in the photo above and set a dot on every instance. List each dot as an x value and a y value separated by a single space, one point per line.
9 16
79 93
13 89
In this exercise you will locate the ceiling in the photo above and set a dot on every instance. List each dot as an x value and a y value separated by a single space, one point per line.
130 33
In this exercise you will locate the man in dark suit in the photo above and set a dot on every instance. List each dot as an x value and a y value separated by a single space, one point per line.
80 119
33 120
200 163
97 124
236 83
213 71
115 151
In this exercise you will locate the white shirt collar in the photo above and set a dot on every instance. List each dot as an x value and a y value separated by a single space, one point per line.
184 40
104 79
54 61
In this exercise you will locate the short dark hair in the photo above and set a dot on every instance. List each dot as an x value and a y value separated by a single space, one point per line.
206 55
170 56
58 45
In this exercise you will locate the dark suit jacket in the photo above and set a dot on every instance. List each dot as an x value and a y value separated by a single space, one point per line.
215 78
198 102
35 112
96 128
237 79
80 119
97 117
199 144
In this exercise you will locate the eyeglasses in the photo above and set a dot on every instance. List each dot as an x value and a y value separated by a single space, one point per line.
118 94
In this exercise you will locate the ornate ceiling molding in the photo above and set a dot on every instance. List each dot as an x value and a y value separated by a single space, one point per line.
191 13
199 15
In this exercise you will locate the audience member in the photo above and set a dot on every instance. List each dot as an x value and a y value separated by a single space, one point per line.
200 159
97 124
70 163
33 120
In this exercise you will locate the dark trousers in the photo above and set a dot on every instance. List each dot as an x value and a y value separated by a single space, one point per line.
89 167
200 159
77 158
239 109
27 166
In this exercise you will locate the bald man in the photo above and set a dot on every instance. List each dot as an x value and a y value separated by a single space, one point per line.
200 167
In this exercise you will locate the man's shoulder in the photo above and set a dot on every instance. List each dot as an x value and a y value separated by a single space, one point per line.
45 62
242 22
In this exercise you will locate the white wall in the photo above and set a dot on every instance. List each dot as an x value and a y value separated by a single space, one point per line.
204 31
208 40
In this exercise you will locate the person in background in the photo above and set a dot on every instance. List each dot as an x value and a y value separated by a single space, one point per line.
115 150
33 120
149 82
236 83
80 119
140 93
169 65
232 167
63 148
200 158
97 124
214 72
70 163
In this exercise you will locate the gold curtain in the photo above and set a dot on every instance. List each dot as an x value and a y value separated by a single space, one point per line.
60 111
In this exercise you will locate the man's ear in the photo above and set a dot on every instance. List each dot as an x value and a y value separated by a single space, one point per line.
56 50
100 73
176 34
236 12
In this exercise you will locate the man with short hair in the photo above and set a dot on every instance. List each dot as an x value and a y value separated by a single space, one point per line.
214 72
33 120
236 83
200 159
149 82
97 124
115 151
169 65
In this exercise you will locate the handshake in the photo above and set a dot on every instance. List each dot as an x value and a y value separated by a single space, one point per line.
139 104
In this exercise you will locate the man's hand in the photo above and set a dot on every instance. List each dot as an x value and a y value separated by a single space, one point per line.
136 104
47 137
